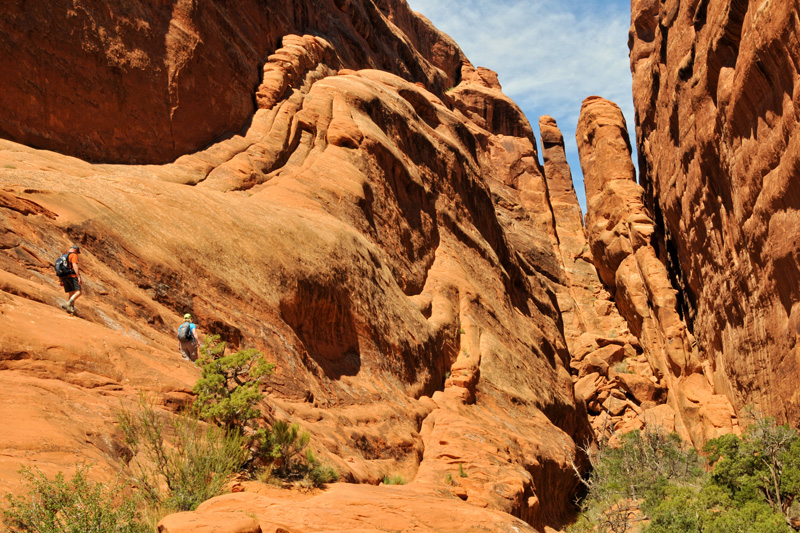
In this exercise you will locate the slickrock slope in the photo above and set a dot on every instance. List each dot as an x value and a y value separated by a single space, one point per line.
619 228
358 231
717 93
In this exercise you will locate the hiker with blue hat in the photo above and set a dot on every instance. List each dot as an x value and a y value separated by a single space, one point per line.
187 338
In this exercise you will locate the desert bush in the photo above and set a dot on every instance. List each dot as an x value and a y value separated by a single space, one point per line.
178 461
394 480
752 486
229 387
285 448
623 477
76 505
763 465
708 509
228 393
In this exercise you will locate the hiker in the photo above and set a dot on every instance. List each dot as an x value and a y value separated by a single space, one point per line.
187 338
69 277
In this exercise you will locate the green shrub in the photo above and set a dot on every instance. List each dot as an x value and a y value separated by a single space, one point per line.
193 460
461 471
286 450
623 477
320 474
708 509
763 465
284 446
228 393
394 480
229 387
74 506
753 485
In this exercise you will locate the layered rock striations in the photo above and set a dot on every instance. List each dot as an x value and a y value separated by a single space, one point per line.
716 87
151 81
620 230
389 245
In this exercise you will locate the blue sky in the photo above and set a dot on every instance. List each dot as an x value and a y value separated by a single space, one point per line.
549 56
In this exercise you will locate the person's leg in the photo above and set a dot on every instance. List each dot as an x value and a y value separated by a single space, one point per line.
188 350
74 295
73 289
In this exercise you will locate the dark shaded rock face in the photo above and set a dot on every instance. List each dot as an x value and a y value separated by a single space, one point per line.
717 93
146 82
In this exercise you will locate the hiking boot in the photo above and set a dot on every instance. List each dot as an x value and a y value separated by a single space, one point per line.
69 308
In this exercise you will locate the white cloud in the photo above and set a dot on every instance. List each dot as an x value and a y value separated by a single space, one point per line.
549 56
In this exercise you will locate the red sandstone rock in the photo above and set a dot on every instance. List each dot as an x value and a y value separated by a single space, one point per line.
350 233
212 522
620 229
715 90
586 387
641 388
610 354
149 82
347 507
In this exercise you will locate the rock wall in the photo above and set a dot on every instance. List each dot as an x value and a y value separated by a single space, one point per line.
389 245
620 229
151 81
717 92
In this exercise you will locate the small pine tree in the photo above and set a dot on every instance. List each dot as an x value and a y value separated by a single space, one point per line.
229 388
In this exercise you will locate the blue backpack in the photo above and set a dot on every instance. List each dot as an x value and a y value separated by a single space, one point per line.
63 268
185 332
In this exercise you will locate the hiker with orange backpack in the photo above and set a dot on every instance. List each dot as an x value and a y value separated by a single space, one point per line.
69 276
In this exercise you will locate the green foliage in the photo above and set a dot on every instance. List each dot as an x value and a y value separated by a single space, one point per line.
74 506
286 448
461 471
762 465
709 509
394 480
193 460
229 388
753 484
449 479
284 445
642 465
318 474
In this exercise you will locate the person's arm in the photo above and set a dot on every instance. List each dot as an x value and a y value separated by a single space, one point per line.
195 334
77 270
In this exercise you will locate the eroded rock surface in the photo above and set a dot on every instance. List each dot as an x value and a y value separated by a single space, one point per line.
357 232
715 86
610 373
151 81
620 228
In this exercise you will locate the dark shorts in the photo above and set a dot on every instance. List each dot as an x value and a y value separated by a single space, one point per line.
189 350
71 284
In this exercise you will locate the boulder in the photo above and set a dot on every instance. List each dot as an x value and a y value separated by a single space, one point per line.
592 364
586 387
641 388
212 522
